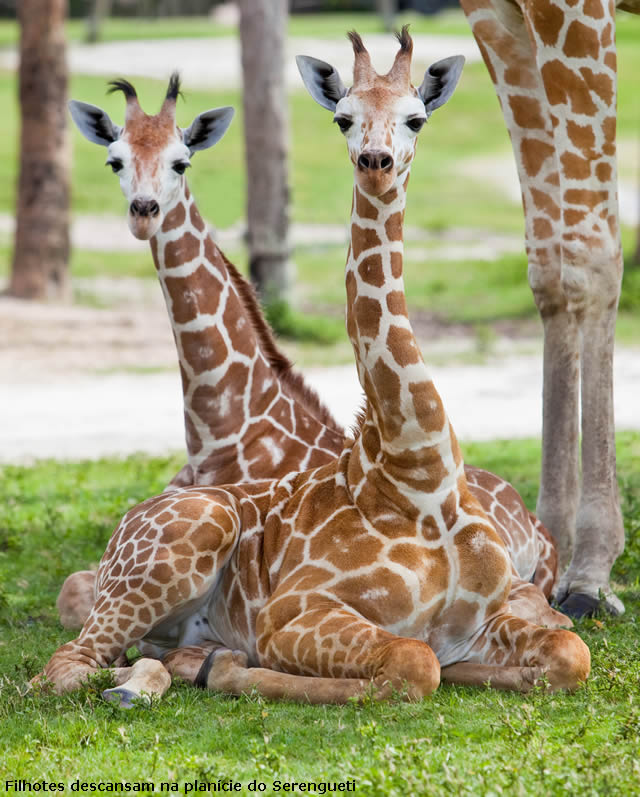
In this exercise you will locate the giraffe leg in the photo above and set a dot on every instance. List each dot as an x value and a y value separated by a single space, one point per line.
76 598
503 36
138 591
584 85
584 588
328 655
514 654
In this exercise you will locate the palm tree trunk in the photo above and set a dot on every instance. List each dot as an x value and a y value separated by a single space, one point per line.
41 252
262 35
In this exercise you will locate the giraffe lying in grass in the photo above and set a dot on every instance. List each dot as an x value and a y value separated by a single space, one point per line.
379 567
248 415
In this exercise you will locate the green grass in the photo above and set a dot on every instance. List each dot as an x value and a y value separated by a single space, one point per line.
56 518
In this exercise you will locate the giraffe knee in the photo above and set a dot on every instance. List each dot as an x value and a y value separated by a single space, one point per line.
565 658
410 667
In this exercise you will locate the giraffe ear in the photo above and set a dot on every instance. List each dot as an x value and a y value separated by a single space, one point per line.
440 81
207 129
94 123
322 81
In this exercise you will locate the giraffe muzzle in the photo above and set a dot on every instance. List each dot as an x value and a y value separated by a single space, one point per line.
375 160
144 207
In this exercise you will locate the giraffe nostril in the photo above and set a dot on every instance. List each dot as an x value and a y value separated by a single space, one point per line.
386 163
135 207
154 208
363 161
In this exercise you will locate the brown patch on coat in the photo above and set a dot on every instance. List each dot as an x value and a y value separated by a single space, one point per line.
585 198
527 112
174 218
402 345
362 240
581 41
197 294
393 226
572 217
603 172
364 208
204 350
547 19
431 566
542 228
564 87
482 558
381 596
396 264
181 251
196 218
370 270
593 9
582 137
575 167
428 406
384 393
534 153
545 203
397 303
367 313
600 83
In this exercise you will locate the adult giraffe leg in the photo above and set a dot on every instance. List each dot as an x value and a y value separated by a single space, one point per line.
501 32
579 77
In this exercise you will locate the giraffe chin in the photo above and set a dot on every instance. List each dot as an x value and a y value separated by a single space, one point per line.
375 183
145 227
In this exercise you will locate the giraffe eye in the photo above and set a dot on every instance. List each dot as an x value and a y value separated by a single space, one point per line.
116 165
416 123
180 166
343 122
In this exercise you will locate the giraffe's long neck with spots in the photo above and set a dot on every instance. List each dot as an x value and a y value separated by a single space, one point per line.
406 428
243 414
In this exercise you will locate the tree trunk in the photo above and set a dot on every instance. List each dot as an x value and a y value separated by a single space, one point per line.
387 9
262 36
41 253
100 10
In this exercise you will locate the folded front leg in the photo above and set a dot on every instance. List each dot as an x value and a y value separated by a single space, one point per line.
514 654
329 655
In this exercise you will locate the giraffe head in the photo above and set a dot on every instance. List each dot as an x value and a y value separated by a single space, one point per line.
150 153
380 115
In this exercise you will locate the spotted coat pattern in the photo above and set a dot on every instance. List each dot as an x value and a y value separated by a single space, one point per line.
378 566
553 64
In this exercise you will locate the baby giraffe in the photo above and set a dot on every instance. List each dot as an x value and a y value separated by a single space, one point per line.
378 567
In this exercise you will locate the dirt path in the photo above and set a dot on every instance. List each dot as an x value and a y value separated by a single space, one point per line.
79 383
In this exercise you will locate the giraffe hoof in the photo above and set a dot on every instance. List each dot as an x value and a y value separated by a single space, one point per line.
125 698
579 604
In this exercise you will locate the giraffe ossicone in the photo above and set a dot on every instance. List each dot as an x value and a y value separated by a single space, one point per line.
378 567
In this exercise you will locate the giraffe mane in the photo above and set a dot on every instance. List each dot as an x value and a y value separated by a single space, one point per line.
280 363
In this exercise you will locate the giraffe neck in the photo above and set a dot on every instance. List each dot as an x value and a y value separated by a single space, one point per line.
405 425
233 375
